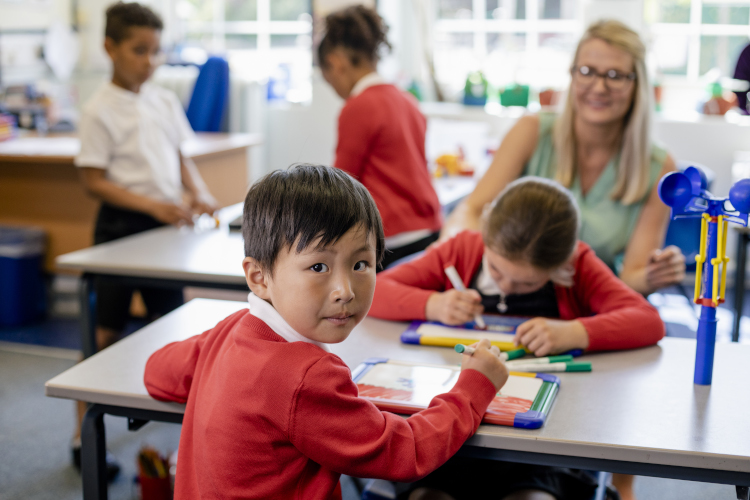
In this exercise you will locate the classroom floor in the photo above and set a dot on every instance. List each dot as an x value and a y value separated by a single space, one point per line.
35 431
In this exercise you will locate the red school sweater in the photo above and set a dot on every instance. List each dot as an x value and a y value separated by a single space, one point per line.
382 144
615 316
266 418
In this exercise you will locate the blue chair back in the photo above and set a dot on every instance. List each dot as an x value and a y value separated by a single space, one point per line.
686 233
208 102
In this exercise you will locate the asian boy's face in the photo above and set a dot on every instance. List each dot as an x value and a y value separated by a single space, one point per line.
135 58
514 277
322 293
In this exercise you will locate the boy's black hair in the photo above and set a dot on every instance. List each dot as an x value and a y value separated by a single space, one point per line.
303 204
122 16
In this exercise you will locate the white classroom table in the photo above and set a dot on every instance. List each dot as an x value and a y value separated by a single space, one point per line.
637 413
171 257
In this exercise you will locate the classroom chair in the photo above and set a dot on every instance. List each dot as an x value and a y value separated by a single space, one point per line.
208 102
686 233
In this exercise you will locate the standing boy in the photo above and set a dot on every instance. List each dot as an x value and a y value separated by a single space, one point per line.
130 159
271 412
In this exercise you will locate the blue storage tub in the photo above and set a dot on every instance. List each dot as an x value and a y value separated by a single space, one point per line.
22 290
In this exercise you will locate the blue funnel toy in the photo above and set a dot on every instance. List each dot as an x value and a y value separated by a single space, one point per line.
685 193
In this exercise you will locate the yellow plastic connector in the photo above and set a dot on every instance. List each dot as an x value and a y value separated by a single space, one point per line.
701 257
718 260
724 261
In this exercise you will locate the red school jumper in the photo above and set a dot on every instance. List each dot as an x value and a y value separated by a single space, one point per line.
381 143
266 418
615 316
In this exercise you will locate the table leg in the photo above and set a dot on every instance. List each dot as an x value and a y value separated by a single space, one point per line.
743 493
87 299
93 455
739 284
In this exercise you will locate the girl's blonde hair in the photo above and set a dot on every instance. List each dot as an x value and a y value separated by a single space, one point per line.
534 220
632 179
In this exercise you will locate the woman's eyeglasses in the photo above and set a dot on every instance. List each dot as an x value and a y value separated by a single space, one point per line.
613 79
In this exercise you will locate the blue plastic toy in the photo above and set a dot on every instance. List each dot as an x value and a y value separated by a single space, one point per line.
685 192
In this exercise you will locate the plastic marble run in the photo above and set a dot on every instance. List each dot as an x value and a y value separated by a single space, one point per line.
685 192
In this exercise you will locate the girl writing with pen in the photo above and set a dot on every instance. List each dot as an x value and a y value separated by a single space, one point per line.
525 261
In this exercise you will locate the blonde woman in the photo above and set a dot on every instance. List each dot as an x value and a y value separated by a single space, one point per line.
600 148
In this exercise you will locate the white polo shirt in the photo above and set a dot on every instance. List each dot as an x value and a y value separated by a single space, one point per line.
136 139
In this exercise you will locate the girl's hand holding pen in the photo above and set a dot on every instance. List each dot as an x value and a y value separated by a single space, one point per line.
453 307
485 360
544 336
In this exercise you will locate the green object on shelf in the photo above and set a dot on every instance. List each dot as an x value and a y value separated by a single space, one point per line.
515 95
475 90
415 90
715 89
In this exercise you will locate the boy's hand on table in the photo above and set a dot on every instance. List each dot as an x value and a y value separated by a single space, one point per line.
169 213
486 361
544 336
453 307
665 267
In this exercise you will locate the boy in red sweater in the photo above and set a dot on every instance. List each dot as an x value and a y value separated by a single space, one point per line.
271 412
527 261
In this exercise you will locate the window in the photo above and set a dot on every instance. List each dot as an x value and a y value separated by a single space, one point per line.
511 41
261 38
694 37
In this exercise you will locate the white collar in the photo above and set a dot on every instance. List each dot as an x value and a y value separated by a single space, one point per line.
271 317
485 283
124 93
367 81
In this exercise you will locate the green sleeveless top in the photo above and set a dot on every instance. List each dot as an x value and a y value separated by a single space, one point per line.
606 224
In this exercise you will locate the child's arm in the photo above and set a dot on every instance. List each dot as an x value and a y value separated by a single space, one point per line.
334 427
417 289
202 202
622 318
97 184
169 371
616 317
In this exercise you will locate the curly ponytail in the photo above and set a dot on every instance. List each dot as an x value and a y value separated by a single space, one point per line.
359 30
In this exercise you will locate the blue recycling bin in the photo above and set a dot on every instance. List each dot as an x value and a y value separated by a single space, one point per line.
22 290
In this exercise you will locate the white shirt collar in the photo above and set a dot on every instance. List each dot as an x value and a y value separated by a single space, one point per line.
485 283
123 93
367 81
271 317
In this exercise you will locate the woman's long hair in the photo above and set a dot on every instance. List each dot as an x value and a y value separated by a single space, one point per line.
632 179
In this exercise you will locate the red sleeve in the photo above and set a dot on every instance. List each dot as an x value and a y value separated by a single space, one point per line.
622 319
355 138
401 293
169 371
335 428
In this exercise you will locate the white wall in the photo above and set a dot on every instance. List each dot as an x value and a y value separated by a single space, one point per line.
304 133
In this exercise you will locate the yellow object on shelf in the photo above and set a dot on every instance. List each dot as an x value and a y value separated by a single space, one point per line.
451 164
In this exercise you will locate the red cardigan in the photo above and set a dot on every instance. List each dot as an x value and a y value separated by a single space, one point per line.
615 316
266 418
382 144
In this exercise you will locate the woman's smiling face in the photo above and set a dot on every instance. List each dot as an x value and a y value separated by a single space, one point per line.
595 102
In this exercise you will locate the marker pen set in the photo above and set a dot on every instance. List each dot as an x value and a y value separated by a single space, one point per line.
548 364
